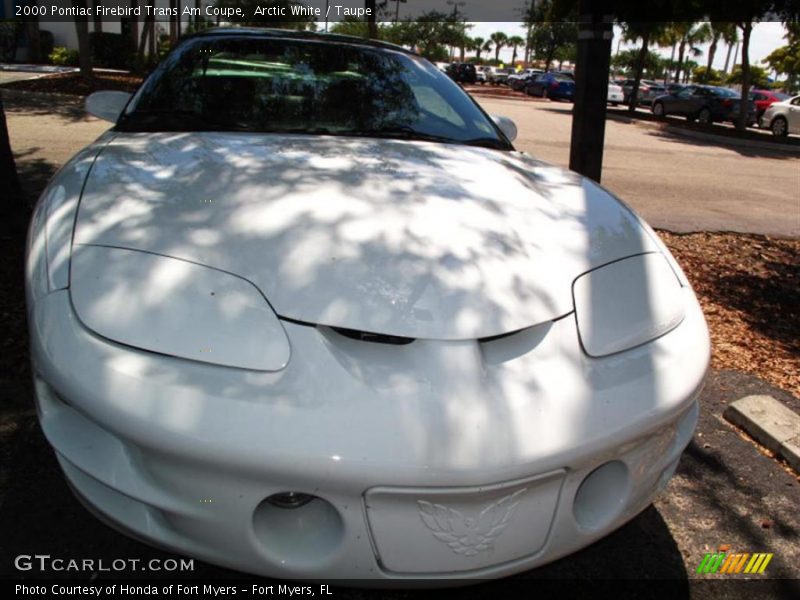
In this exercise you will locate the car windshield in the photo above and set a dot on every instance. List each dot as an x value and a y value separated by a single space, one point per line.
320 87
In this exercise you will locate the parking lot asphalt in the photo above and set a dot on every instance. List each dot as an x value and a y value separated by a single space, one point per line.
726 491
674 182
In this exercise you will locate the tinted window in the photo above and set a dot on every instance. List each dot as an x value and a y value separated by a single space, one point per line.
724 93
283 85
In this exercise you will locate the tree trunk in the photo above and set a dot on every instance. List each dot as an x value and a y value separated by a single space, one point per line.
712 50
372 19
741 121
143 39
514 56
497 53
197 8
84 49
98 20
14 209
549 58
671 60
633 100
679 68
173 23
728 57
34 44
134 26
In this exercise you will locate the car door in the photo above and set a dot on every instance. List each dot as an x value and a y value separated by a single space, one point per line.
680 103
535 86
793 116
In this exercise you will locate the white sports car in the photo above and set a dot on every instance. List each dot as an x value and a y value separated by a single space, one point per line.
305 312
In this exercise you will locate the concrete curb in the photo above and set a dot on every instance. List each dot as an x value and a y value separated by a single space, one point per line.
722 140
770 423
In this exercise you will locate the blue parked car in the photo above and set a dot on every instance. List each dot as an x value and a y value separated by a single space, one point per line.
557 86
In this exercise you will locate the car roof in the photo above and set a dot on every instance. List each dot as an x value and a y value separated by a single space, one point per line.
316 36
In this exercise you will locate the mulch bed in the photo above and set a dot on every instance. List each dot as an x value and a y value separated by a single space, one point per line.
748 288
75 85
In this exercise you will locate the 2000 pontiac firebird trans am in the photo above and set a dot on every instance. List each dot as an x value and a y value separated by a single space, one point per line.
305 312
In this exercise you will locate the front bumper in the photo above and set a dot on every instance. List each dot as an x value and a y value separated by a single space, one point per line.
183 454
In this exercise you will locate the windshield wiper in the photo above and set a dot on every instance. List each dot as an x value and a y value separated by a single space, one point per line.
409 133
402 132
487 142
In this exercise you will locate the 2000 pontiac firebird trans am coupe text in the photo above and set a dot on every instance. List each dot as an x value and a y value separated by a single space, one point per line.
305 312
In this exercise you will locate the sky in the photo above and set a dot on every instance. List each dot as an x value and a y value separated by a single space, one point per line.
764 39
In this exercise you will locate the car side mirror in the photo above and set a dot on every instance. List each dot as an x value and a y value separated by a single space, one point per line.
507 126
107 105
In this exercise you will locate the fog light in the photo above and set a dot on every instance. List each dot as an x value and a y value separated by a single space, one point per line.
290 499
602 496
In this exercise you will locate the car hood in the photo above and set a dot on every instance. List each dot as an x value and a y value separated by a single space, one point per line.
412 239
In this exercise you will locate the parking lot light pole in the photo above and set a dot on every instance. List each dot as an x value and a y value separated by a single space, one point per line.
595 33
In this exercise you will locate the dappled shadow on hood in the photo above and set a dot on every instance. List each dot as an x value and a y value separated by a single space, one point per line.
422 240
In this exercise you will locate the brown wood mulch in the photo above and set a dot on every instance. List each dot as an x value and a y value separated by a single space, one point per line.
749 288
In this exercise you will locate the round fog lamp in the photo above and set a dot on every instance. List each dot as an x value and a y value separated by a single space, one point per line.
290 499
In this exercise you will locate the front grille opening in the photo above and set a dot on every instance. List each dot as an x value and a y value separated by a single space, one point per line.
376 338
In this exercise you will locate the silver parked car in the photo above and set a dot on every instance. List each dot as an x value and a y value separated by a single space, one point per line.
782 118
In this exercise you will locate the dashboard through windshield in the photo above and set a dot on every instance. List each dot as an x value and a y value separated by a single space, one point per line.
285 85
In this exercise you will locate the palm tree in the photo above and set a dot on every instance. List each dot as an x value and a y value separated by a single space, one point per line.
477 45
487 46
500 39
731 41
647 32
514 41
666 38
691 36
724 30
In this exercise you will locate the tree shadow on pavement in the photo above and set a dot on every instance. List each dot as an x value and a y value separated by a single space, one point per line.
29 103
34 173
671 135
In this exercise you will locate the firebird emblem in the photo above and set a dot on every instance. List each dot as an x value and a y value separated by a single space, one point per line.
468 536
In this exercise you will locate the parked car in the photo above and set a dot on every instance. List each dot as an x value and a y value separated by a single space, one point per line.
480 76
518 81
462 72
648 90
274 326
615 94
705 103
673 88
555 86
493 75
783 117
763 99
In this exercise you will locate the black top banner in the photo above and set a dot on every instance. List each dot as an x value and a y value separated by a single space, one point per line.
263 12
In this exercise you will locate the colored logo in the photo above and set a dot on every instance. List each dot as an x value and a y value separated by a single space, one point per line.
732 563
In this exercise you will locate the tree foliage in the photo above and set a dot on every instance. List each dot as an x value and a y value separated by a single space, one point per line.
786 59
552 35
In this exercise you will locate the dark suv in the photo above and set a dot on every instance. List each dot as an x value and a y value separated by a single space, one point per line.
462 72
